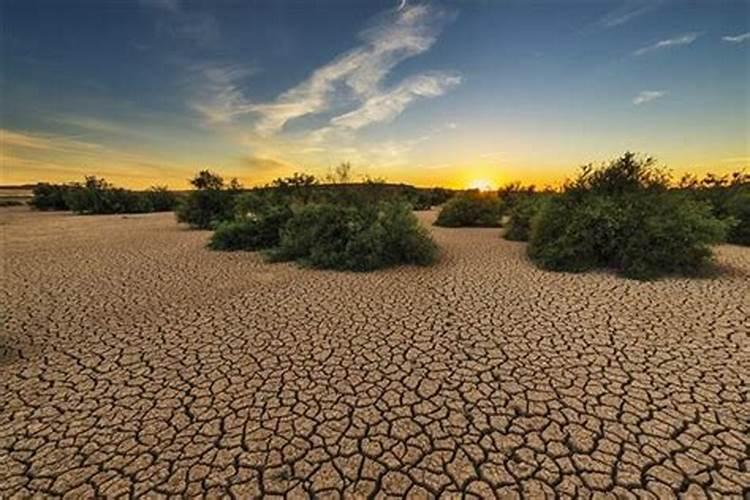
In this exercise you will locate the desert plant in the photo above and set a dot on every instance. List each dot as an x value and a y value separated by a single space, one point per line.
356 238
97 196
257 227
47 196
729 197
210 203
622 216
520 215
160 198
472 210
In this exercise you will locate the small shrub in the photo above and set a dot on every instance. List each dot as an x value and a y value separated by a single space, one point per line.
11 203
355 238
211 203
470 210
623 217
47 196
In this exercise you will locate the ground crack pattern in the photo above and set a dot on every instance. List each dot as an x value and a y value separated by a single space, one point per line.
134 361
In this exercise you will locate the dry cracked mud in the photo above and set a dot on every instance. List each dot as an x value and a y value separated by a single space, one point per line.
133 361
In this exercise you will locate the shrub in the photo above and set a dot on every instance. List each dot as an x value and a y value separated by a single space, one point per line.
211 203
623 217
520 216
355 238
473 210
729 197
49 196
256 230
97 196
11 203
738 208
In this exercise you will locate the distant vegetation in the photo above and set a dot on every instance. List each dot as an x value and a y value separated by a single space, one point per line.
97 196
471 209
210 203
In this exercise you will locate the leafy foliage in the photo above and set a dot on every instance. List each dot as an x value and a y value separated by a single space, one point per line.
622 216
257 226
520 215
471 209
729 197
211 203
97 196
160 199
47 196
355 238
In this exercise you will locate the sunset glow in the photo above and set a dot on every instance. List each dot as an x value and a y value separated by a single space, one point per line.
428 93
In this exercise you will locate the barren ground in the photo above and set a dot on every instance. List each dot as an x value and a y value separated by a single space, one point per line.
134 361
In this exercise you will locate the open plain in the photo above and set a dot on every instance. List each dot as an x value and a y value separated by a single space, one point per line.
135 361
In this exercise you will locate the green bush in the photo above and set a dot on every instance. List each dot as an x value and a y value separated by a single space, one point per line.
356 238
738 208
470 210
520 216
624 217
47 196
160 199
211 203
729 197
256 230
97 196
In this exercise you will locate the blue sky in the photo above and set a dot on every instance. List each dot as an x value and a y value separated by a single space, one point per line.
149 91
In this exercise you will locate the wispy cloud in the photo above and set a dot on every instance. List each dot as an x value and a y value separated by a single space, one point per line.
627 13
685 39
354 79
736 38
645 96
384 106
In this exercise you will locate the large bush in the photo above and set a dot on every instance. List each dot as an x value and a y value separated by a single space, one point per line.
623 216
356 238
729 197
257 226
47 196
520 215
210 203
472 210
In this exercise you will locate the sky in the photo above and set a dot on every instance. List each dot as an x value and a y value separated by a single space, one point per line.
451 93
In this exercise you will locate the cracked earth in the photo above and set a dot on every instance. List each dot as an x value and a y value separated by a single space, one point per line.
134 361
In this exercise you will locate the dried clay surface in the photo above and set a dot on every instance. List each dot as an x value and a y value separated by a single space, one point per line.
134 361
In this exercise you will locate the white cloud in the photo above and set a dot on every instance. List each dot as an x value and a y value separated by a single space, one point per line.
737 38
686 39
386 105
355 78
645 96
627 13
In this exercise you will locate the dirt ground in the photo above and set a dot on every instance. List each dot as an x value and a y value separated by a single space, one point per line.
135 361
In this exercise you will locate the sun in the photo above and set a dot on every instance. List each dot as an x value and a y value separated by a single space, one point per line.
481 185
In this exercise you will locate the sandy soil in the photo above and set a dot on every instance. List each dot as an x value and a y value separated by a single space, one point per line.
133 360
